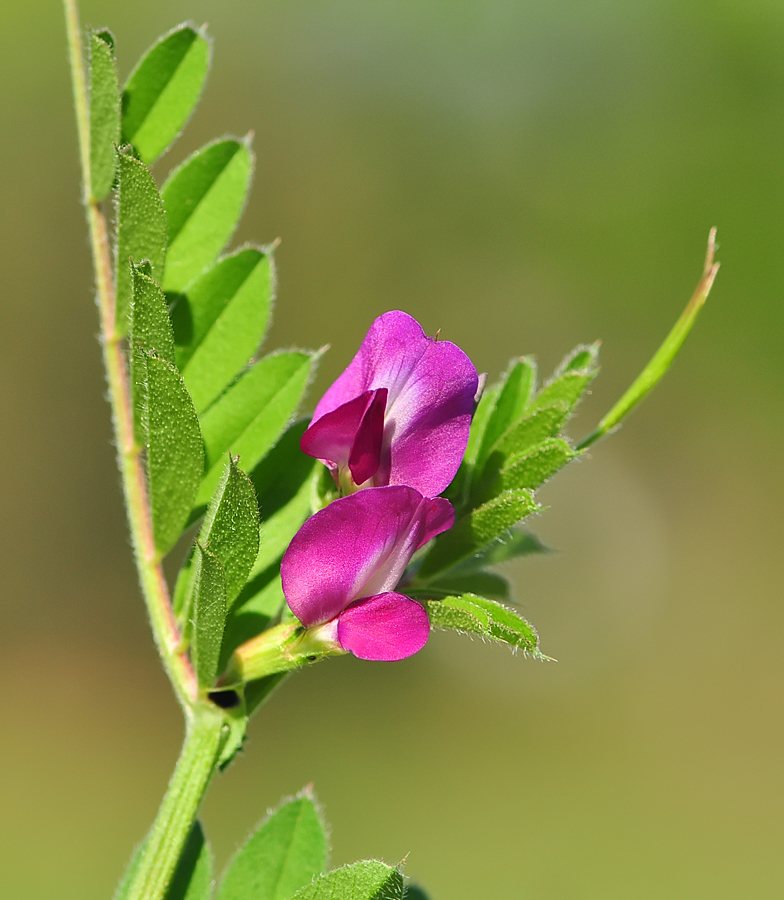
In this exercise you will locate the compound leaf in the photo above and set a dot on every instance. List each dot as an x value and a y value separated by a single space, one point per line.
104 115
163 90
204 198
284 854
369 880
141 230
221 320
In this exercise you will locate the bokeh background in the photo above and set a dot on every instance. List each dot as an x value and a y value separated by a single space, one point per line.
524 176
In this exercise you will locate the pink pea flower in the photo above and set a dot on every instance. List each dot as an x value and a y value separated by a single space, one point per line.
399 414
340 570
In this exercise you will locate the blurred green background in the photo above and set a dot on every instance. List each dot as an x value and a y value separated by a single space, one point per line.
524 176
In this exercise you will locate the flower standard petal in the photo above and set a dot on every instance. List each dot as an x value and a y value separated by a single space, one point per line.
386 627
392 347
356 547
428 422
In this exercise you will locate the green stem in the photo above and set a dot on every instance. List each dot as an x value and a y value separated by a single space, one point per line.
205 725
156 593
163 846
650 376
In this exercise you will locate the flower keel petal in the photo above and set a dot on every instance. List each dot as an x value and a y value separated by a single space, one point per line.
385 627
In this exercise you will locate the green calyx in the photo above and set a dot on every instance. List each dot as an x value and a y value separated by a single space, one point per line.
280 649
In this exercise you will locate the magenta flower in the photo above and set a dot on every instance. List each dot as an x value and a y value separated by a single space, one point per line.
399 414
341 568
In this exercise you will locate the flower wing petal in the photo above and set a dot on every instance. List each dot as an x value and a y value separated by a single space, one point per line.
331 438
356 547
392 347
365 456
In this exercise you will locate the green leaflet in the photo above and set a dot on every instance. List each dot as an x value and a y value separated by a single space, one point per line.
476 530
151 327
175 455
479 423
530 470
221 320
257 692
230 531
141 230
283 485
370 880
204 198
284 854
571 379
510 546
193 876
104 115
163 90
237 720
260 602
121 891
478 615
535 428
458 581
514 397
460 488
150 333
208 615
248 419
414 892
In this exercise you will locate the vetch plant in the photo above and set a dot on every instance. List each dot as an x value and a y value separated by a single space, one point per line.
413 484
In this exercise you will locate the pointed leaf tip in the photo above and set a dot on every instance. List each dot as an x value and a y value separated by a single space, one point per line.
285 853
141 230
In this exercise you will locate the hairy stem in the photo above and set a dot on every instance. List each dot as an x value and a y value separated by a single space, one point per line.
162 848
156 594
